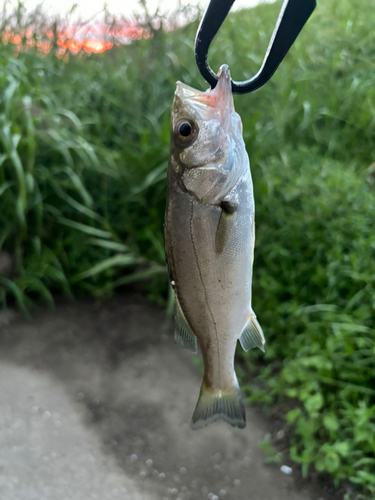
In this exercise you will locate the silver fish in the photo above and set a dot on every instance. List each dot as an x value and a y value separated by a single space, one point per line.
209 242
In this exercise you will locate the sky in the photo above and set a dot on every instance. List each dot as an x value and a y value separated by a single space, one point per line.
87 8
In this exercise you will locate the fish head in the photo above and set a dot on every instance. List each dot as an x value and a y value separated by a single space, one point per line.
206 139
204 123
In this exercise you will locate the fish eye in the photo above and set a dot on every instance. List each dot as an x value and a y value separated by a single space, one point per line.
186 130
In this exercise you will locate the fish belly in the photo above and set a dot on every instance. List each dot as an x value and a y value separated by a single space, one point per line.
213 289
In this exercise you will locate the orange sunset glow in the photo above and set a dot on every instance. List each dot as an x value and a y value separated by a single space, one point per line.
93 38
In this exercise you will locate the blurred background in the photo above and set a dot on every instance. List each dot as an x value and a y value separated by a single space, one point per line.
85 100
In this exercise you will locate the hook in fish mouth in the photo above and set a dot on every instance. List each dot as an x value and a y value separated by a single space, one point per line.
219 97
293 16
223 89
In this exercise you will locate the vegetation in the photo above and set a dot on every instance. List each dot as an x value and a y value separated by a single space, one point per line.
83 154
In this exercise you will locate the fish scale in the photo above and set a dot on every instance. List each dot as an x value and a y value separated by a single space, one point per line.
209 242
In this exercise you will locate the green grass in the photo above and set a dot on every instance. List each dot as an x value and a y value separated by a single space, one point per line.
83 154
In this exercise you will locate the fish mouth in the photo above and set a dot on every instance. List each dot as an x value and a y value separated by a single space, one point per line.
223 89
220 97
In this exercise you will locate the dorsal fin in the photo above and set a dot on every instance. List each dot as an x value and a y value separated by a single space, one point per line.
252 335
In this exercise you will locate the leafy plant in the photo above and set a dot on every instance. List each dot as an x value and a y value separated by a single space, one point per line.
83 153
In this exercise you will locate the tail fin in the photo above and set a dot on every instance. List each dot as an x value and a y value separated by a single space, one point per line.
213 405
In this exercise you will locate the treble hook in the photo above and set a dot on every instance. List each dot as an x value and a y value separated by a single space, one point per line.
293 16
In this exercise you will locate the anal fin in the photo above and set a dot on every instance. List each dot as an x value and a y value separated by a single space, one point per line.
182 332
252 335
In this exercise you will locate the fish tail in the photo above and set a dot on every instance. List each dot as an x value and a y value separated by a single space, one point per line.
215 404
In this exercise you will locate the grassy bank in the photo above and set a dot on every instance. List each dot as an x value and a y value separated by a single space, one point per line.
83 154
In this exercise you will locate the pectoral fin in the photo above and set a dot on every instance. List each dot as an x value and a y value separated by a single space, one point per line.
182 333
226 224
252 335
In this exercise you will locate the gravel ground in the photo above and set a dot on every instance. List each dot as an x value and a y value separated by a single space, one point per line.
95 403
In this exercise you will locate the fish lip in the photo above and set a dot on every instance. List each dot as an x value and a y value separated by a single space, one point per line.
224 72
186 92
223 90
220 97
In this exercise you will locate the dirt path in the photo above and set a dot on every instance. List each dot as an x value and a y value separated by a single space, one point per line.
95 403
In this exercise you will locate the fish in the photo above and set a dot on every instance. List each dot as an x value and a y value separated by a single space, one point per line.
209 234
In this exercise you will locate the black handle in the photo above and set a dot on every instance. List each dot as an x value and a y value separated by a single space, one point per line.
292 18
